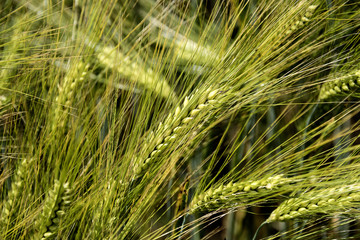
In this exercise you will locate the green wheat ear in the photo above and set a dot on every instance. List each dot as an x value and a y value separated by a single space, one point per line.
14 51
136 71
76 74
236 194
343 85
186 50
99 214
327 201
178 124
300 21
56 204
297 23
11 204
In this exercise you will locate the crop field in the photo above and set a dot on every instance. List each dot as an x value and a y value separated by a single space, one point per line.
179 119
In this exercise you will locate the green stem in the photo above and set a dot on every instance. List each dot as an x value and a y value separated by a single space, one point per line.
257 231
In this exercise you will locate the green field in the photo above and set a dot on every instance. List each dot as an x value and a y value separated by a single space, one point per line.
179 119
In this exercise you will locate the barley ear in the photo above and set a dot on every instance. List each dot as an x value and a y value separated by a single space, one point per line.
300 21
11 204
14 49
341 85
135 72
75 76
325 201
104 219
178 124
56 204
236 194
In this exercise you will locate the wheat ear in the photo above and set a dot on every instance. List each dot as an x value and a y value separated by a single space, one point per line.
135 71
326 201
186 49
13 51
178 124
189 51
10 60
76 74
56 204
300 21
106 212
340 86
236 194
17 184
296 23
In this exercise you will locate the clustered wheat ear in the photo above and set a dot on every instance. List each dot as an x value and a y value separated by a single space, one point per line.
326 201
342 85
10 205
176 125
75 75
136 71
236 194
56 204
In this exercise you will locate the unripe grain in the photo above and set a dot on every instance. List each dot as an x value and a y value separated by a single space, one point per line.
325 201
134 71
178 124
236 194
17 184
301 20
67 90
56 204
340 86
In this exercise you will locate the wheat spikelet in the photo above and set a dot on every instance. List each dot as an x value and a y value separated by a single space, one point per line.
76 74
178 124
105 214
134 70
17 184
97 224
300 21
341 85
235 194
187 50
56 204
288 26
326 201
14 50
